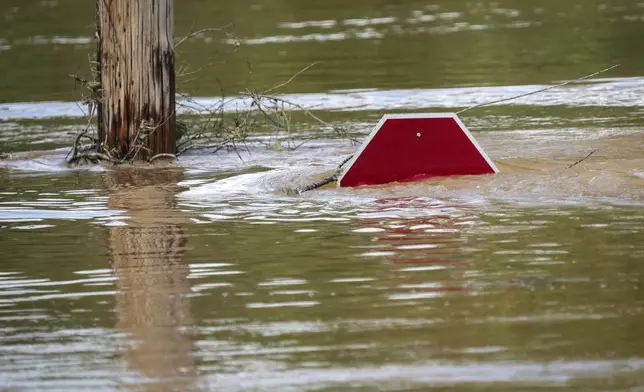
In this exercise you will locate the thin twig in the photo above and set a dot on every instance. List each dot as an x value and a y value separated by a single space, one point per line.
81 134
538 91
194 33
262 110
582 159
94 157
291 79
332 178
158 156
257 100
216 147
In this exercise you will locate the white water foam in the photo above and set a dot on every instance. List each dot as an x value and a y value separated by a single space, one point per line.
609 92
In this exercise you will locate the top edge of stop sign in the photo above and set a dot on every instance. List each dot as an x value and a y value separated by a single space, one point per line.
413 147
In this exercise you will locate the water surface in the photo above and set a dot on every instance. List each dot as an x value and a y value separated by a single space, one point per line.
207 275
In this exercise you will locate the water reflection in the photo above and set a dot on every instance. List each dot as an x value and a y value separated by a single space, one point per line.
152 303
434 239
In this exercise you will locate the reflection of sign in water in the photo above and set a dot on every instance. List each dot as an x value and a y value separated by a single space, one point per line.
411 147
430 241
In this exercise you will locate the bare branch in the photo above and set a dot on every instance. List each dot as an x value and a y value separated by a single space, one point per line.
538 91
94 157
159 156
582 159
291 79
316 185
83 133
195 33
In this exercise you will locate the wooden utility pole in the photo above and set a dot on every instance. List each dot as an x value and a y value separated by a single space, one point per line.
136 115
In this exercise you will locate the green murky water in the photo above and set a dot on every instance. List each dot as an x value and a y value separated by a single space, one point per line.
206 276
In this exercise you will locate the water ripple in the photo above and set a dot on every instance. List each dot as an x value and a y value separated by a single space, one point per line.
623 92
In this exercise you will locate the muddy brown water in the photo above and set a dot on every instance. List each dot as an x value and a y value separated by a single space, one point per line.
205 275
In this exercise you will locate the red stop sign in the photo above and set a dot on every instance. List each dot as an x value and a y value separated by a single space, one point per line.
412 147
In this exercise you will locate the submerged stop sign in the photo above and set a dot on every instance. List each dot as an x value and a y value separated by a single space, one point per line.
411 147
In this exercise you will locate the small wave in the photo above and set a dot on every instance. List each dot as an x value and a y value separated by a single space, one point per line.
433 373
615 92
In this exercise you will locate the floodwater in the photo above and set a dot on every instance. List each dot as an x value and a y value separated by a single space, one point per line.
206 275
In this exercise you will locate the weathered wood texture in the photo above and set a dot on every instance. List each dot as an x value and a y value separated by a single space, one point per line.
136 52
